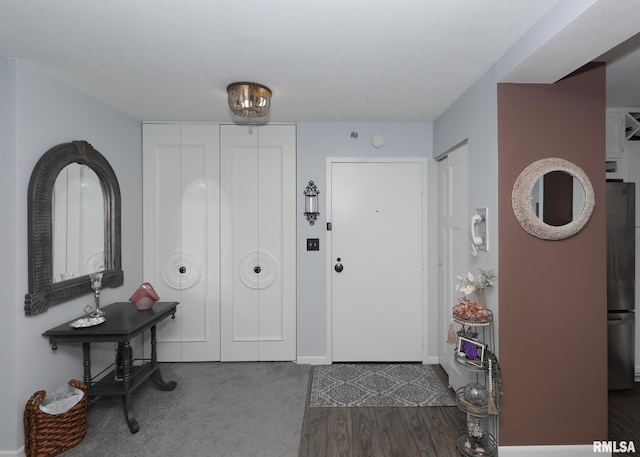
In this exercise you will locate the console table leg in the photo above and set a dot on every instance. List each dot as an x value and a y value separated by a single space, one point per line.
157 380
127 403
154 350
156 377
127 399
86 365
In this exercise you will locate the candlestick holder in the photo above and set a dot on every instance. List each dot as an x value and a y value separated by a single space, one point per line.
96 285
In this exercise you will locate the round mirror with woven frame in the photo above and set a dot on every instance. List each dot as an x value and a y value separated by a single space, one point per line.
523 208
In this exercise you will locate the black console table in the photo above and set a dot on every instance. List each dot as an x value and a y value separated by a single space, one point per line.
123 323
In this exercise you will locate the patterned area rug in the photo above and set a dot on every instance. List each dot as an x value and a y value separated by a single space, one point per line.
377 385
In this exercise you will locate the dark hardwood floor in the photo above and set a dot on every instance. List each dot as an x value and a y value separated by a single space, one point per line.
624 415
424 431
381 431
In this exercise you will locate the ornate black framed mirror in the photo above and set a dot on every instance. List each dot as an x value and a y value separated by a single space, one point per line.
74 218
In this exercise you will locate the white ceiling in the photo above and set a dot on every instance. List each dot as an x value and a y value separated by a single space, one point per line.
329 60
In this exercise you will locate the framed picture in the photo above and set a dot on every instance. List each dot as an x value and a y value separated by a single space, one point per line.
471 350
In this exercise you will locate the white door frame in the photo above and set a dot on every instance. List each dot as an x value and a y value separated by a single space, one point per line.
329 263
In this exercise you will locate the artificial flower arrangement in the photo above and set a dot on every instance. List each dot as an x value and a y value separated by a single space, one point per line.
469 284
472 309
468 309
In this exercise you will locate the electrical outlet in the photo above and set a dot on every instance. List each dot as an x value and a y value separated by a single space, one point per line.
313 244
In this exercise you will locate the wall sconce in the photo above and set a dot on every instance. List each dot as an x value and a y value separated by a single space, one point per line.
311 203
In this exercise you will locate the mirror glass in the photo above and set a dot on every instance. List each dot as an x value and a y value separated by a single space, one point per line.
77 223
557 198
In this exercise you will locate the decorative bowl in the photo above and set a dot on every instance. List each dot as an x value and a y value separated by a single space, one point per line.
144 297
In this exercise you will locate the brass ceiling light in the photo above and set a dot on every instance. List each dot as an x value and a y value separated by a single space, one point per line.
249 99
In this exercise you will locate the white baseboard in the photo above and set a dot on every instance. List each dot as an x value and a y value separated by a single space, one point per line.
324 360
578 450
18 453
314 360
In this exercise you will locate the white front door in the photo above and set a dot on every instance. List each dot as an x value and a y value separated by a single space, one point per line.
258 233
454 248
181 236
376 211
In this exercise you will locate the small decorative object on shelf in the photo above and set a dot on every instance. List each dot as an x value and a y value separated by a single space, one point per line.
494 383
472 398
475 394
472 351
96 285
144 297
468 445
491 403
477 431
471 312
119 370
84 322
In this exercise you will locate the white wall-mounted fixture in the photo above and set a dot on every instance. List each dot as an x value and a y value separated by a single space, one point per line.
377 141
479 238
249 99
311 203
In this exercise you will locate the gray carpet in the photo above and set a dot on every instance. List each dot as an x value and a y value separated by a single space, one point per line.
217 410
365 384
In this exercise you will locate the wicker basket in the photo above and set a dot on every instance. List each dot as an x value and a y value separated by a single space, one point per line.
46 435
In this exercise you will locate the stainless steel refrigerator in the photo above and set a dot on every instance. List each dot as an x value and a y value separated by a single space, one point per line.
621 284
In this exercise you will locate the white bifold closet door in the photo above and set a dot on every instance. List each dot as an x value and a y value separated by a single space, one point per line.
181 231
258 261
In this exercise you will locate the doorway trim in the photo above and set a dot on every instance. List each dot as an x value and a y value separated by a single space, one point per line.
423 162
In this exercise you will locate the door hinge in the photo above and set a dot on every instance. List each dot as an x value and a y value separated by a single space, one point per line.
329 226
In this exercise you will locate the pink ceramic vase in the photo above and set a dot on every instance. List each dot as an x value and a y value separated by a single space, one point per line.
144 297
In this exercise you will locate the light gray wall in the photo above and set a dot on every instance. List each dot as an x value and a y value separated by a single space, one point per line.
46 113
9 305
316 142
473 118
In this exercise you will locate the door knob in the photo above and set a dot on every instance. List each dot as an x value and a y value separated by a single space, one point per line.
338 267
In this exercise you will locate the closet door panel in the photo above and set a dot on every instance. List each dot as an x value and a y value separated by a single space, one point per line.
194 241
271 243
257 307
181 235
277 193
239 238
201 242
244 207
162 229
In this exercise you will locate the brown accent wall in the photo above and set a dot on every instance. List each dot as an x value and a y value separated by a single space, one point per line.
552 294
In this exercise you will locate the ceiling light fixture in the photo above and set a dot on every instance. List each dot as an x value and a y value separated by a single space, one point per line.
249 99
